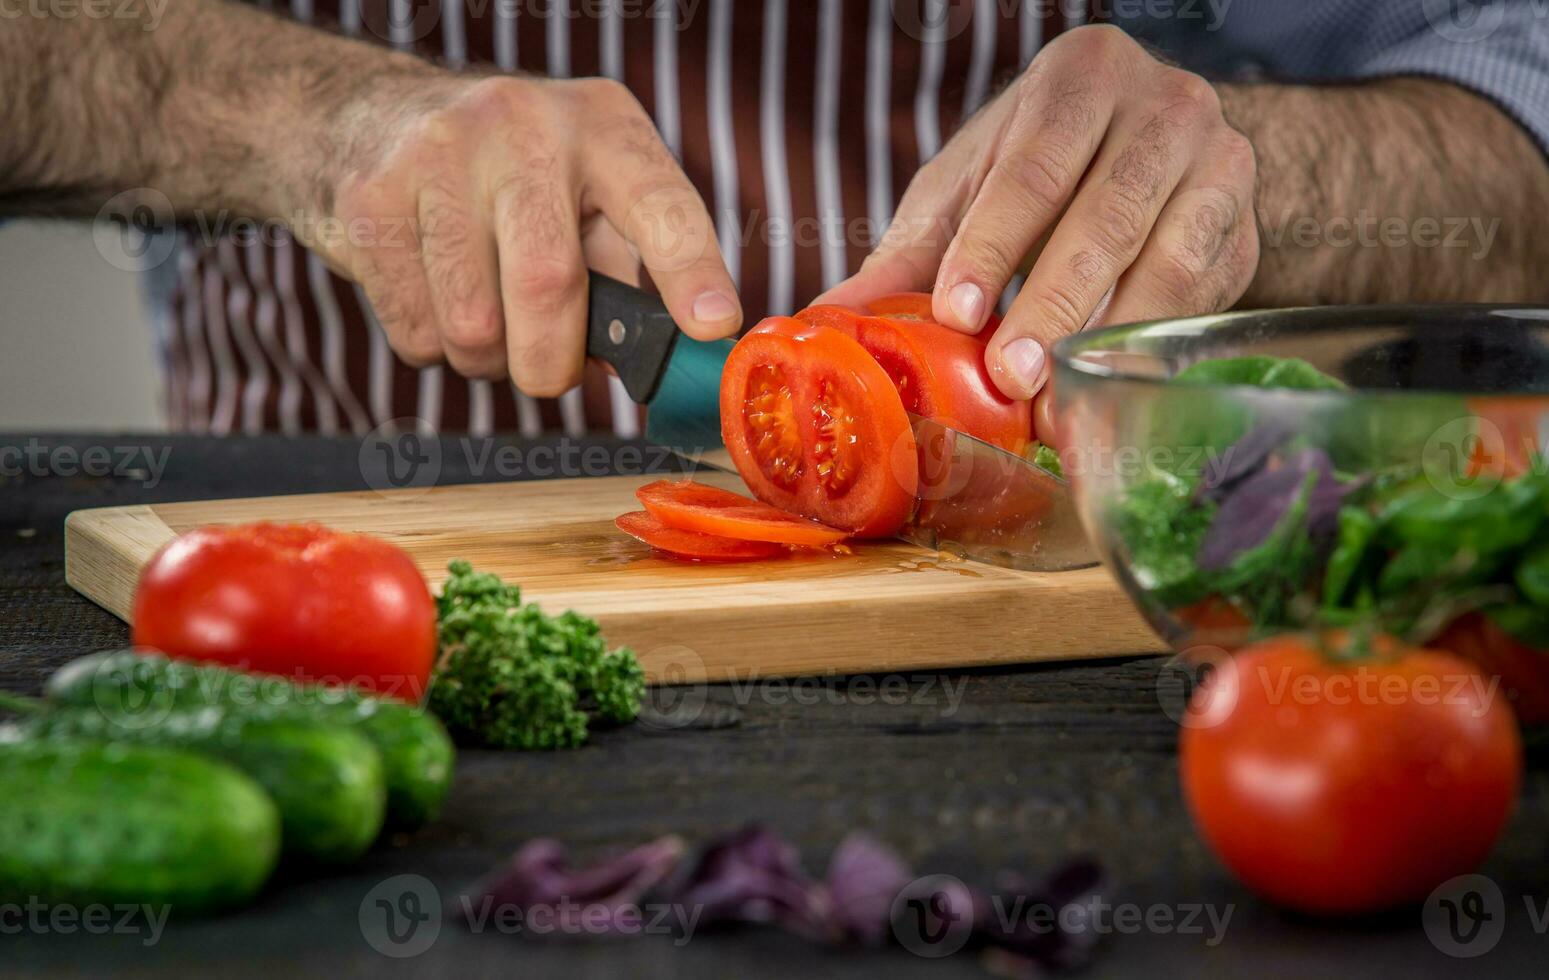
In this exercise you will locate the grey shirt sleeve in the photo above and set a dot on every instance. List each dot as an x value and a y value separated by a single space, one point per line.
1498 48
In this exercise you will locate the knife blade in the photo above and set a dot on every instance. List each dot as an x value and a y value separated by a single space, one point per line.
981 502
677 376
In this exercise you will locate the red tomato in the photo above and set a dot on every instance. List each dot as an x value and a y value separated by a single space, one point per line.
815 427
710 510
1524 672
298 600
1510 434
692 544
1348 785
939 372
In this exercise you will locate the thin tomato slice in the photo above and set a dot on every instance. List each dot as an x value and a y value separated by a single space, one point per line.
815 427
710 510
691 544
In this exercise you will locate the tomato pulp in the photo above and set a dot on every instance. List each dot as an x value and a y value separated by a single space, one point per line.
816 427
298 600
699 507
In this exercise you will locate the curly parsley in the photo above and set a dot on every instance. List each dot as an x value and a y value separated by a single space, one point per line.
510 676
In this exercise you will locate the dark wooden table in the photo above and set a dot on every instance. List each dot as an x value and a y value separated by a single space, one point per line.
962 773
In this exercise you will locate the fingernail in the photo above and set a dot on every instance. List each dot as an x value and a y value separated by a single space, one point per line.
1023 360
714 308
967 304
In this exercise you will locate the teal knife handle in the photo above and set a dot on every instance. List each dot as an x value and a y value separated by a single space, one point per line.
686 412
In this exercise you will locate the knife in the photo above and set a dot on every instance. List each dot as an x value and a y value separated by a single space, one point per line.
678 377
976 500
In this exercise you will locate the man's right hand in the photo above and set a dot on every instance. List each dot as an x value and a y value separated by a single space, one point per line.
470 208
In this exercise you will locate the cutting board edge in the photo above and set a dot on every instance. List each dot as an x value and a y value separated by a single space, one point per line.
137 528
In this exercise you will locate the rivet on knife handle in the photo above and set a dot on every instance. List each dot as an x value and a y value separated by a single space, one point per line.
631 330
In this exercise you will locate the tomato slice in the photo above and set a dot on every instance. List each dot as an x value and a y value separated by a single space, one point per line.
710 510
939 372
815 427
693 545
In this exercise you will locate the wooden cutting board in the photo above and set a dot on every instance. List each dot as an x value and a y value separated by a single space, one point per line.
887 606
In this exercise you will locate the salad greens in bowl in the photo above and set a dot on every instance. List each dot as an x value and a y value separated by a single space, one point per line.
1251 473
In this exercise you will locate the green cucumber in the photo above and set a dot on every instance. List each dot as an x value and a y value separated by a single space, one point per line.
416 751
325 780
90 822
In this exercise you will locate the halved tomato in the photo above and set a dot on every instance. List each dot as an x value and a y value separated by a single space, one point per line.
939 372
815 427
711 510
691 544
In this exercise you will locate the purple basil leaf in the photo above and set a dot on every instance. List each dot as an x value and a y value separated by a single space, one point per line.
864 877
753 875
1242 459
1252 510
540 875
1059 937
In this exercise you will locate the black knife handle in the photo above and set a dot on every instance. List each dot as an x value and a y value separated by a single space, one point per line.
631 330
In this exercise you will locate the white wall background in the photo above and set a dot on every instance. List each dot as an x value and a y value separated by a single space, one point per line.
77 350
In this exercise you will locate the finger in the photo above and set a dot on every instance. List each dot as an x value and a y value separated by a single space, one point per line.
607 252
1204 250
633 179
390 270
542 279
1058 129
1099 237
1043 417
462 272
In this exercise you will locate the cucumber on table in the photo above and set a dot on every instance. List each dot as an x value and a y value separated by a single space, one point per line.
102 822
416 751
326 780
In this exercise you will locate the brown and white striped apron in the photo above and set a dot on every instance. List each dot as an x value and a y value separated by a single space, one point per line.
799 121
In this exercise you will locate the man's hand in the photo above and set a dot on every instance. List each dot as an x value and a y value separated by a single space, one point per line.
1116 173
486 200
468 207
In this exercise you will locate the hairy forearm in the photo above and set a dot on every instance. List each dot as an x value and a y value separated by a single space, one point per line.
204 103
1406 190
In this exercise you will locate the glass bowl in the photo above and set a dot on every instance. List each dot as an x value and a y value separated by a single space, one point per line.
1249 473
